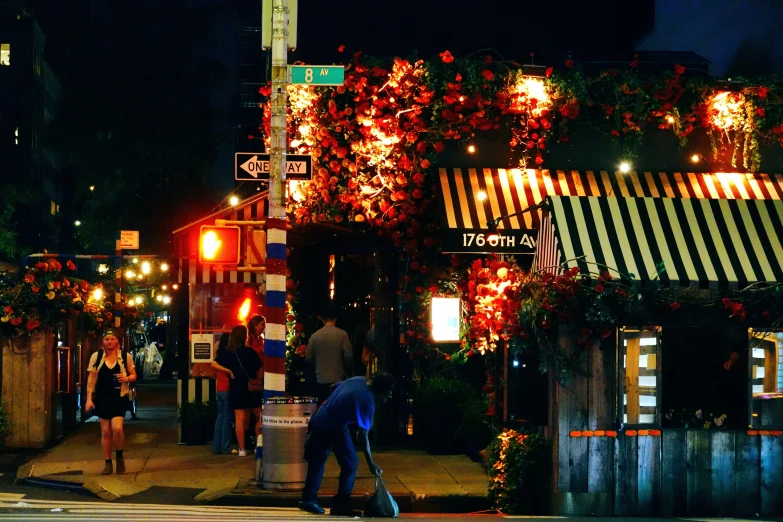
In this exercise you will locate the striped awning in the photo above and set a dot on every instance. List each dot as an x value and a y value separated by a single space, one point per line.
468 198
708 243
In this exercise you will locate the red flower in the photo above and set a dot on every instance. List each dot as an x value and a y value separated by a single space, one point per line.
32 324
635 61
425 163
447 57
419 289
679 69
439 146
487 59
433 289
29 278
8 310
35 289
487 74
599 288
760 111
570 63
674 306
290 318
42 266
341 49
289 283
70 265
549 71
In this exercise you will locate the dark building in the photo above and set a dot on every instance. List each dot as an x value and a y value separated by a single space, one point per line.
29 98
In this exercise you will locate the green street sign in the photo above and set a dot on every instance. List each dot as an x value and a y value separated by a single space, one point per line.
317 74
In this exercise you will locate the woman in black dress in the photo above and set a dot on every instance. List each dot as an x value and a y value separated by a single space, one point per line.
243 362
107 393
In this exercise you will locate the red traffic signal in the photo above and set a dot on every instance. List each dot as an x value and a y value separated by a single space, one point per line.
218 245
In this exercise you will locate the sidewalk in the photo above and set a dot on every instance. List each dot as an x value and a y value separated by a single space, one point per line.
419 482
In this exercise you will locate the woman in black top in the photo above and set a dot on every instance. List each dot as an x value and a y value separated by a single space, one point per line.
244 363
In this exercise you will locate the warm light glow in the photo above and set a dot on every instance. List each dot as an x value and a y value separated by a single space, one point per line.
529 94
138 300
135 260
445 317
625 167
482 195
166 299
103 268
493 238
92 188
670 119
130 274
244 310
140 277
97 294
725 110
159 297
175 286
210 244
471 149
695 158
164 287
233 201
164 267
145 267
77 223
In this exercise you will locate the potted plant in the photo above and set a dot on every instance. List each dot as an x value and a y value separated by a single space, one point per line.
198 422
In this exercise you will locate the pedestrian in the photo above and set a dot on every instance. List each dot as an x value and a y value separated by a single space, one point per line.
351 404
255 336
111 371
329 350
243 362
221 439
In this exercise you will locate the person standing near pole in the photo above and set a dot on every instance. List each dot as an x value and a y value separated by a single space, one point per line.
111 370
329 350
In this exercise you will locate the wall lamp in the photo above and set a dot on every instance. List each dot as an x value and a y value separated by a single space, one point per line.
698 158
492 224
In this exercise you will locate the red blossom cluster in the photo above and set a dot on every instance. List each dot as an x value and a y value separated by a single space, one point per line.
736 308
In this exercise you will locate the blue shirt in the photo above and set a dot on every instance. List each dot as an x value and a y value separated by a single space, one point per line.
351 402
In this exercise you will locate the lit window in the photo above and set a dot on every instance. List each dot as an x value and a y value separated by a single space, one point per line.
5 54
445 317
639 376
52 208
766 378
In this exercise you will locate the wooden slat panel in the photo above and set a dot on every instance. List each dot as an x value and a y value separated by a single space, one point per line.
723 468
572 415
601 475
649 476
698 473
626 476
20 403
601 385
747 475
771 476
632 380
674 491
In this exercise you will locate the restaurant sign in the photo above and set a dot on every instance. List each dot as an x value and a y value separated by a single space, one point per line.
482 241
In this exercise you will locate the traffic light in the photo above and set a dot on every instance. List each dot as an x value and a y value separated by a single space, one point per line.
218 245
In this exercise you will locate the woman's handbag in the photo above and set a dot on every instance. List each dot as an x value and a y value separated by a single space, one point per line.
253 385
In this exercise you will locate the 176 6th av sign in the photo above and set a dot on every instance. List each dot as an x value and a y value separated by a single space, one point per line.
478 241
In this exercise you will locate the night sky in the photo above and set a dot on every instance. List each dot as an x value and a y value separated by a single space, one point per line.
514 28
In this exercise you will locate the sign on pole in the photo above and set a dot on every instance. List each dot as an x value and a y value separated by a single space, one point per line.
317 75
481 241
256 167
266 23
129 239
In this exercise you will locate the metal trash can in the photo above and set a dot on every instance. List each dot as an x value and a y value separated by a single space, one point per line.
285 421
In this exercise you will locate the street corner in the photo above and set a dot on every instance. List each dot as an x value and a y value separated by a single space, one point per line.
112 488
216 488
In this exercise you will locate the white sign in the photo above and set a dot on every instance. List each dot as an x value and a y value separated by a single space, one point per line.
285 422
257 166
129 239
445 319
201 348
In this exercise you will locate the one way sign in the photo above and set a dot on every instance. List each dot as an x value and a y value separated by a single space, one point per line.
255 167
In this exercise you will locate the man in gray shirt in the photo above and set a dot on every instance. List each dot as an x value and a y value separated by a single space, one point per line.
330 351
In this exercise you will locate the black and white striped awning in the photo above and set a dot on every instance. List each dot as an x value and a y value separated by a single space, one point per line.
709 243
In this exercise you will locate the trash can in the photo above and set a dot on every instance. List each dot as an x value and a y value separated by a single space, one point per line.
285 421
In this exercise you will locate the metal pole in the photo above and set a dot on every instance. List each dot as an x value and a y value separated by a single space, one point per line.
275 333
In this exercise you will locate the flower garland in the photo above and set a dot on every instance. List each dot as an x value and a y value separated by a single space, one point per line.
376 139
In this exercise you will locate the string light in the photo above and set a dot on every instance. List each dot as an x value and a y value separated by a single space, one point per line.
625 167
233 201
471 149
164 267
670 119
145 267
130 274
482 196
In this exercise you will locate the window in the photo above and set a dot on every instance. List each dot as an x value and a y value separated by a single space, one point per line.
5 54
52 208
639 375
765 369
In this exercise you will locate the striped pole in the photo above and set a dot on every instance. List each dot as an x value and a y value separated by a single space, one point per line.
274 343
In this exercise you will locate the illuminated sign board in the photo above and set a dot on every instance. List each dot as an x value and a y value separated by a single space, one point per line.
445 318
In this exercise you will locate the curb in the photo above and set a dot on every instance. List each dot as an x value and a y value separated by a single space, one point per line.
62 485
408 503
